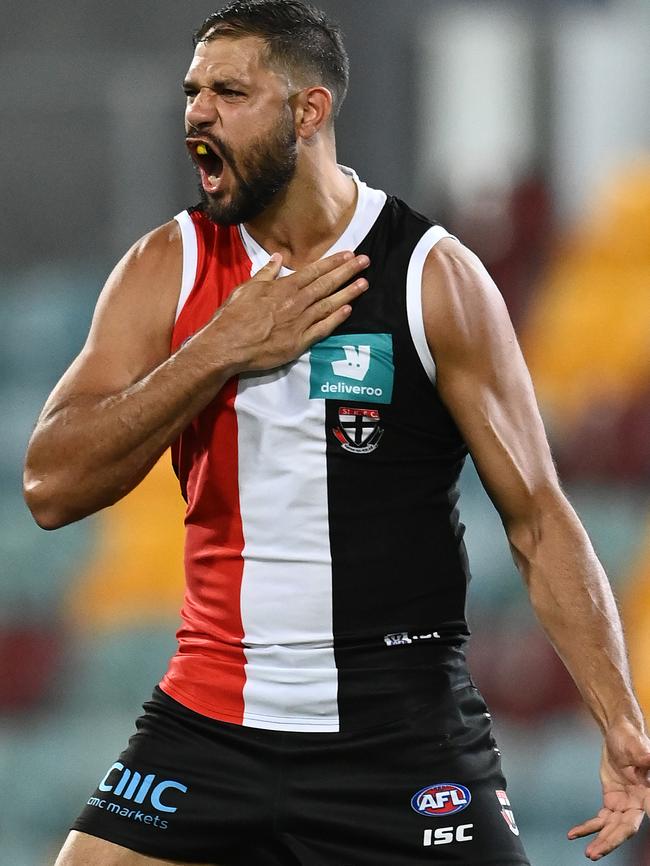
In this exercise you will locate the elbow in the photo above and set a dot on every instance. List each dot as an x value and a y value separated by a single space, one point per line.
46 507
524 538
535 527
50 520
525 530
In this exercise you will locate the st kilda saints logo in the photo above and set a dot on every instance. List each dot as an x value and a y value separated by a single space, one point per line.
359 431
506 811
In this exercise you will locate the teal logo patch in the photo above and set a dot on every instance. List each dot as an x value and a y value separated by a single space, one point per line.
357 368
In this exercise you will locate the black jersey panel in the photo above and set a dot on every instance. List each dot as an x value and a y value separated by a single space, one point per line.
399 566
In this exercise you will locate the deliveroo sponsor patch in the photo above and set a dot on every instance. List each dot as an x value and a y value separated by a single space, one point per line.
357 368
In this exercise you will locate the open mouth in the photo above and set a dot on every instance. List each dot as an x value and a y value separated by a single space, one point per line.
208 161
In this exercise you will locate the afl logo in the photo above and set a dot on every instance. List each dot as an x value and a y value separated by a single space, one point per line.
438 801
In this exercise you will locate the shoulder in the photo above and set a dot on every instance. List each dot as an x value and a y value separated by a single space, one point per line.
461 304
138 302
151 269
450 266
158 249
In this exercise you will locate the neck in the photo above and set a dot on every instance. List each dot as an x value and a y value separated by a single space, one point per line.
311 214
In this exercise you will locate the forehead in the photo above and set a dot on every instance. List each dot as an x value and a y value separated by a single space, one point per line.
225 58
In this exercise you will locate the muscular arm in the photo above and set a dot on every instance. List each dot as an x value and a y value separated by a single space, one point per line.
124 400
484 382
107 420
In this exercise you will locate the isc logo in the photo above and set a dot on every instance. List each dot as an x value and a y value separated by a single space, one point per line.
131 786
447 835
445 798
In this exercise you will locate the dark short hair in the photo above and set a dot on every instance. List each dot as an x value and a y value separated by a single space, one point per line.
298 37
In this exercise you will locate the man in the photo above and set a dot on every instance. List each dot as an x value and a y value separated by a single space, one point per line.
319 710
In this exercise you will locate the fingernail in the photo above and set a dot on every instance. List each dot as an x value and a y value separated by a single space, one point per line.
363 260
347 256
276 257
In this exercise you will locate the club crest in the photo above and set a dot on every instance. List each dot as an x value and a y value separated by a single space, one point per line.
506 812
358 431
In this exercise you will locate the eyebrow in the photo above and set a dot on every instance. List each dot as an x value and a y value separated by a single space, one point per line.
216 84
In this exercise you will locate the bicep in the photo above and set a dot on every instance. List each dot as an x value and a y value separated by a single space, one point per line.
483 380
132 324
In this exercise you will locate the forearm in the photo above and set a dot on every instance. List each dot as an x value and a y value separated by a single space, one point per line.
92 450
573 600
89 449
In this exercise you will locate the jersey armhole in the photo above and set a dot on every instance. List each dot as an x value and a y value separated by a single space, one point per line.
414 296
190 258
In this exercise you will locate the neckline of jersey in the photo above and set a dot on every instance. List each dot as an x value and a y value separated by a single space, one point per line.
370 203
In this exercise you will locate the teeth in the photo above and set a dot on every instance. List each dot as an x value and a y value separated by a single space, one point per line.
213 179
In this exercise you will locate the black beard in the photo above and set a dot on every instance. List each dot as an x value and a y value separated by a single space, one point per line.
268 167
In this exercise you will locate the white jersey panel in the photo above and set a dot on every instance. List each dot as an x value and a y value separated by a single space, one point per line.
190 258
286 594
414 296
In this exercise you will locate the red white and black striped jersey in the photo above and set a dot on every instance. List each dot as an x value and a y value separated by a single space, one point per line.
326 571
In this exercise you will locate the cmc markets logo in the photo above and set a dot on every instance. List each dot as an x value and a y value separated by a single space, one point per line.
131 786
440 800
139 790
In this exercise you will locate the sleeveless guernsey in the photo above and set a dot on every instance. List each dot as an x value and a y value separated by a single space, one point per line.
326 570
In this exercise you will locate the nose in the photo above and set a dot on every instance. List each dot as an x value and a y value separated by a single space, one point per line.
201 110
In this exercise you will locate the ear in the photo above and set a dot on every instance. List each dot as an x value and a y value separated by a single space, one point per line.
312 110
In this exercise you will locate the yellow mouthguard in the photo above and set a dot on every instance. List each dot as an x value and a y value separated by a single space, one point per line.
202 150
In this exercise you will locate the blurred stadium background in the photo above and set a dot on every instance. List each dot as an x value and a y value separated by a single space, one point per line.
523 127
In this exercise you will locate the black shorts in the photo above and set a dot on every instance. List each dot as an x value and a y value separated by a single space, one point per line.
422 791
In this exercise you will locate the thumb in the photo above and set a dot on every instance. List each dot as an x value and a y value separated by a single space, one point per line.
638 763
271 269
642 759
642 767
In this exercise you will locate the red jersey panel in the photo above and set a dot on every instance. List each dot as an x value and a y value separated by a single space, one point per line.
214 539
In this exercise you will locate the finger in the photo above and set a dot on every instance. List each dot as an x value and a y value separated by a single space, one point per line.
618 827
613 835
314 271
594 825
325 280
322 329
321 310
331 282
271 269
